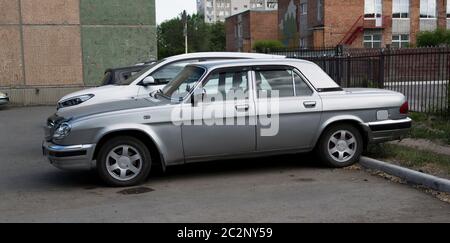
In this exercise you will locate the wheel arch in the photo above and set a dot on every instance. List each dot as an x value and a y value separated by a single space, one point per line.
351 120
143 136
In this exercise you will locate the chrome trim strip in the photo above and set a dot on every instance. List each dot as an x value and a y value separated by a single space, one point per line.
388 122
59 148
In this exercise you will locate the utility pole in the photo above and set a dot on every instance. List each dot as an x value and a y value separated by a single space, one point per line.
185 30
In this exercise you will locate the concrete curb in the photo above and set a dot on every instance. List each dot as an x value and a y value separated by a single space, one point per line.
411 176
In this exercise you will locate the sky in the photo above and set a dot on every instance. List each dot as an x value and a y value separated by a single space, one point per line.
168 9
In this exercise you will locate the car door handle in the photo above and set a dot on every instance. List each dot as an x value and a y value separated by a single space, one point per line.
242 107
310 104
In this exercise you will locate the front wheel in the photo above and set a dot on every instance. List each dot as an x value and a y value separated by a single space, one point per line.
340 146
124 161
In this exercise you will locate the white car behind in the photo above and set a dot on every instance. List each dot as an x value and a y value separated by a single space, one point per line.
152 78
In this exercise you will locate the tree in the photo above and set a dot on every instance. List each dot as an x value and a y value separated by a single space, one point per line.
433 38
218 37
170 38
201 36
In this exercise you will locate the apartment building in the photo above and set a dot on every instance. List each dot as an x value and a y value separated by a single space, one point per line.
218 10
359 23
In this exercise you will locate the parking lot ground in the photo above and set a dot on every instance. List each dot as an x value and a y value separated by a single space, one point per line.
276 189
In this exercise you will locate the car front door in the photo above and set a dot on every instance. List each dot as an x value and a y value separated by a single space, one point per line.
299 109
222 124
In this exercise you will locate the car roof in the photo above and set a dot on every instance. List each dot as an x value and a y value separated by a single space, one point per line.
317 77
224 55
239 63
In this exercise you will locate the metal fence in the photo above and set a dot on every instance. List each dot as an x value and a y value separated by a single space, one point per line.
422 74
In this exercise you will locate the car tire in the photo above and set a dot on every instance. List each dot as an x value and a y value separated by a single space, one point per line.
340 146
123 162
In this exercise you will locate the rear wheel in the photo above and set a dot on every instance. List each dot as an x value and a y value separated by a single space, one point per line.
340 146
124 161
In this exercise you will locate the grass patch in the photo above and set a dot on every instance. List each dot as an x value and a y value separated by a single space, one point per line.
428 162
431 128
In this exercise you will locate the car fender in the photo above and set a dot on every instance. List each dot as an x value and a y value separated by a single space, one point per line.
148 130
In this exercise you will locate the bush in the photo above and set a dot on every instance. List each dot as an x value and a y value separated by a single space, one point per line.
433 38
265 45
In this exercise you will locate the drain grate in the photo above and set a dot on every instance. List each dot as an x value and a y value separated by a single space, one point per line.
136 190
305 180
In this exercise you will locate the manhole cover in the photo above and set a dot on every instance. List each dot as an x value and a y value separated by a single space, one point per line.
304 180
137 190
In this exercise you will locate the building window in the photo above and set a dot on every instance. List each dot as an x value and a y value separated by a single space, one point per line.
373 9
304 8
372 40
400 9
448 9
400 41
320 10
428 9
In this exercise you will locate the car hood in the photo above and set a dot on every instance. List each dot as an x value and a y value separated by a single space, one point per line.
120 105
104 92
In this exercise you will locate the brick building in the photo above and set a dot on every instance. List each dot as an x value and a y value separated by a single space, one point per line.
49 48
244 29
359 23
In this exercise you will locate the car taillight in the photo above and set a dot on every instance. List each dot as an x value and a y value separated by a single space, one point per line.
404 109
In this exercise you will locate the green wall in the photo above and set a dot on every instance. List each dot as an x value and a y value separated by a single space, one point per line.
117 12
116 33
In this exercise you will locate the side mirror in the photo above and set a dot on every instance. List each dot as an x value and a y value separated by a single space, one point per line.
148 81
197 96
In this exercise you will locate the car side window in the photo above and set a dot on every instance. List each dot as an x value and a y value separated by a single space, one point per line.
229 85
268 81
168 72
301 88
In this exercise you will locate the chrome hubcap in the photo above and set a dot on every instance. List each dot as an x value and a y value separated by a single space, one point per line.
124 163
342 146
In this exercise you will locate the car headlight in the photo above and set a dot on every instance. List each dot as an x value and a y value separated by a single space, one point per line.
62 131
75 101
3 95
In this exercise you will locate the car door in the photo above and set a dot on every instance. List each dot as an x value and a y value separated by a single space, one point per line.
299 110
224 126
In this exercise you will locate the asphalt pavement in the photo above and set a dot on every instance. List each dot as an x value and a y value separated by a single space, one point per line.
276 189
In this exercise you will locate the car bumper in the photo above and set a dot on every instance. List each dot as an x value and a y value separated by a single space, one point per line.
389 130
76 157
4 101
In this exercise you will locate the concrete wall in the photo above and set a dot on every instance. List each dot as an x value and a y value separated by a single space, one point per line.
49 48
116 33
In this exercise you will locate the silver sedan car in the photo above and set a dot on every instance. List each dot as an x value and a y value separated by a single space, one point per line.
226 110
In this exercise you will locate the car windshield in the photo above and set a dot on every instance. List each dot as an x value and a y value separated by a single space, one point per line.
139 74
183 83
